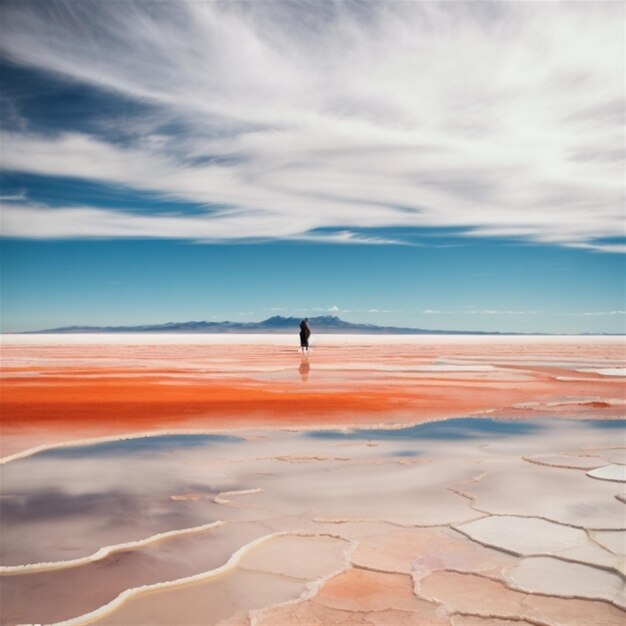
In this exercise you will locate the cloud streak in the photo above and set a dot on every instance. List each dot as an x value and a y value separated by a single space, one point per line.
513 312
500 119
478 312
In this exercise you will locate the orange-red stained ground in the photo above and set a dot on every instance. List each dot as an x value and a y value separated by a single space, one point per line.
53 392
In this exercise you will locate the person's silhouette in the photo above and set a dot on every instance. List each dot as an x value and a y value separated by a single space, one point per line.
305 333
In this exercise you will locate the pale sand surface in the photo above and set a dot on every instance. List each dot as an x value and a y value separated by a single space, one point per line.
279 515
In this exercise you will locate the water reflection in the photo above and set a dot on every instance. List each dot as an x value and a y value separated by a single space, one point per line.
607 424
60 508
453 429
166 443
68 503
304 368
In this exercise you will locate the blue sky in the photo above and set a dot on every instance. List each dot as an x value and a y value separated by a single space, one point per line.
436 165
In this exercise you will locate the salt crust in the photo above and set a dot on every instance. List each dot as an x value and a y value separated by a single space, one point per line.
104 552
552 576
528 536
514 572
609 472
239 556
615 541
523 535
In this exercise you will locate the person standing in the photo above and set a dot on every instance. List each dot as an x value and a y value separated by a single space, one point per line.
305 333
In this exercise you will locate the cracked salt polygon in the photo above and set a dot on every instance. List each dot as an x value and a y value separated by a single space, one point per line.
297 556
593 554
206 602
547 575
524 535
613 540
414 494
610 472
518 488
616 456
566 461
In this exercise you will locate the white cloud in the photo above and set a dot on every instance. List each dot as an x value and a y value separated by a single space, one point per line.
14 197
330 309
479 312
500 118
596 313
604 247
511 312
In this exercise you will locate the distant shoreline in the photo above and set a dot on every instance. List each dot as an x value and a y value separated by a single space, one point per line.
282 339
279 325
316 332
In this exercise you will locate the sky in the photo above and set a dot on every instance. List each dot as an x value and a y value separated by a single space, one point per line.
444 165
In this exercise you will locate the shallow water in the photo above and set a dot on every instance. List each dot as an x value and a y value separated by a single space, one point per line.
451 429
63 505
155 443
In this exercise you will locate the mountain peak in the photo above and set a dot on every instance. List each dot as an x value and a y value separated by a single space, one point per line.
274 324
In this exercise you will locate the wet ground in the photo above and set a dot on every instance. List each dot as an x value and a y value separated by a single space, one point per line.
457 481
439 523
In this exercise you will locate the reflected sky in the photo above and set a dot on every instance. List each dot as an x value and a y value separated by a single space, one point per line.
401 453
161 443
608 424
453 430
67 502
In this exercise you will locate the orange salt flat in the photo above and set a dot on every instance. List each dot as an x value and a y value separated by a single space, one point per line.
51 392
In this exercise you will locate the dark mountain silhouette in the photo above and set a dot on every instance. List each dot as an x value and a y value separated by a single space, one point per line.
275 324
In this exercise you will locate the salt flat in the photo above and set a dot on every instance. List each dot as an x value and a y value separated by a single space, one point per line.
281 339
381 480
63 387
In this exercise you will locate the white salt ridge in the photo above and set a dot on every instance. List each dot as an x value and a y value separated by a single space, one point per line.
92 441
572 379
232 562
345 428
606 371
222 499
134 591
609 472
104 551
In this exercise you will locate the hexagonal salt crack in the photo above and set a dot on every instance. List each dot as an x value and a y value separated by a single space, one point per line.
609 472
523 535
547 575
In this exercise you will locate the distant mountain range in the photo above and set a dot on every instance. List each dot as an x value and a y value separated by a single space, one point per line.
275 324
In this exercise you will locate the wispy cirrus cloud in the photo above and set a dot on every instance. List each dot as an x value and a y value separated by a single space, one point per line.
464 311
478 312
596 313
310 121
13 197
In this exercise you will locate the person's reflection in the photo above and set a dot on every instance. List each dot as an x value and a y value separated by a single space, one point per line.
304 368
